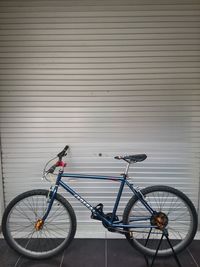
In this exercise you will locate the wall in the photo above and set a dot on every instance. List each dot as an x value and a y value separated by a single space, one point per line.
1 192
105 77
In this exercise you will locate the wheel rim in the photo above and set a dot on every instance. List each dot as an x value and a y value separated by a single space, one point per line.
179 222
30 234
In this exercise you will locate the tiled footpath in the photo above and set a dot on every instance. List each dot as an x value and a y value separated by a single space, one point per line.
99 253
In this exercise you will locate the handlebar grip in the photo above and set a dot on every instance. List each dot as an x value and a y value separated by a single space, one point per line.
66 148
62 153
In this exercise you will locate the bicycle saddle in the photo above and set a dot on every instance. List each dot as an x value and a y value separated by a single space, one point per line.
133 158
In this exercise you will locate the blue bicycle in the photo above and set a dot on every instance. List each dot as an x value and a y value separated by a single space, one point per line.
40 223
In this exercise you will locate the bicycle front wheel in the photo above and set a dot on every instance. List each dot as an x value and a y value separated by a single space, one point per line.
174 212
25 232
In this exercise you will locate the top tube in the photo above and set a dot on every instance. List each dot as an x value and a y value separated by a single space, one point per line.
87 176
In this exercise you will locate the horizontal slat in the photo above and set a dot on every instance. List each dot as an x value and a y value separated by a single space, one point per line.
81 152
98 45
100 82
113 92
100 31
103 60
105 13
69 44
90 49
93 77
105 8
6 67
108 103
112 136
95 122
161 90
93 37
105 25
80 148
95 2
99 98
138 111
5 120
104 54
98 71
100 19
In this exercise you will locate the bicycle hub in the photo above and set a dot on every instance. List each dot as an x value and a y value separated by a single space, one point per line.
160 220
39 224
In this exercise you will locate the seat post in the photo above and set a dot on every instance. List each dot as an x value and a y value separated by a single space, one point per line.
127 169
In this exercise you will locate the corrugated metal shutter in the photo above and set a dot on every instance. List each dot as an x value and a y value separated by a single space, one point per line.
109 77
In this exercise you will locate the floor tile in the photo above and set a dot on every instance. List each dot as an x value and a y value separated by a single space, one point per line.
194 249
120 253
99 252
8 257
85 253
53 262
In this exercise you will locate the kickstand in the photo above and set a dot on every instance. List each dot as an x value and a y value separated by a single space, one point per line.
166 235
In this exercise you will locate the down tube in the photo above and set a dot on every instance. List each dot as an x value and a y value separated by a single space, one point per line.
77 196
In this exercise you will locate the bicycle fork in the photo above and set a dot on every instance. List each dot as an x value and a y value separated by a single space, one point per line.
50 198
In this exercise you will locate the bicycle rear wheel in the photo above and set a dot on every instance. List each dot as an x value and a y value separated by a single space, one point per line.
25 232
174 212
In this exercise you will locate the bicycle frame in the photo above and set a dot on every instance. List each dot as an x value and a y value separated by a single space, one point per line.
111 223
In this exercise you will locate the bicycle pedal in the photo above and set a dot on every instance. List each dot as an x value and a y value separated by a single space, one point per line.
99 209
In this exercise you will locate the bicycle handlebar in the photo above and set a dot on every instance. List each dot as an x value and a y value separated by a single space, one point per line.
60 155
63 153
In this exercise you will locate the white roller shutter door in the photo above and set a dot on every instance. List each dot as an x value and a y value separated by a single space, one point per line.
107 78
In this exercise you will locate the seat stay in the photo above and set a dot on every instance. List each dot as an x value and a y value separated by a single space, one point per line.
140 196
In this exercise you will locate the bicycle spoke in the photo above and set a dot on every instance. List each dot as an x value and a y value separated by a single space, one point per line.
169 205
50 236
23 214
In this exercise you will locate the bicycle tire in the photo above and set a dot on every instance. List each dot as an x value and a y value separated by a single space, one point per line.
180 237
19 225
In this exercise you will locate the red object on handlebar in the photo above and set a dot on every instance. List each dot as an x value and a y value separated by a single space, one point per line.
61 164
